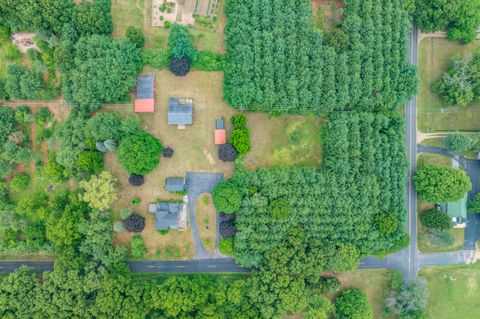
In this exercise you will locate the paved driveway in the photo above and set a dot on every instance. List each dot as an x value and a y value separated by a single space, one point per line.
199 183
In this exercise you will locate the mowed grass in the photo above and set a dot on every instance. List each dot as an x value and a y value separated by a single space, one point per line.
374 283
435 57
206 217
284 141
138 13
454 291
424 243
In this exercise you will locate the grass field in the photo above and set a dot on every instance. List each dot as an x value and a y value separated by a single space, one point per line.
454 291
373 282
206 217
138 12
435 57
284 141
424 244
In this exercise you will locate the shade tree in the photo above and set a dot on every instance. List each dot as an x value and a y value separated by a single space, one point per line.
139 153
99 191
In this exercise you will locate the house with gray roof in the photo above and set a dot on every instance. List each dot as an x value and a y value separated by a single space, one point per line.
175 184
180 112
169 215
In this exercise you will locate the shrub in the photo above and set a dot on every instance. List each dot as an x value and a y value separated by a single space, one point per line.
23 114
210 61
90 161
164 232
440 237
226 198
134 223
125 213
11 52
226 246
180 44
179 66
240 140
136 201
4 34
434 218
138 153
168 152
136 180
353 303
118 227
227 228
53 171
440 184
157 59
474 204
329 284
43 116
20 182
137 247
227 153
458 142
239 121
407 299
135 36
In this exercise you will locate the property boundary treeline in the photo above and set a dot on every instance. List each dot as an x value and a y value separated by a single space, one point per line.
278 63
356 198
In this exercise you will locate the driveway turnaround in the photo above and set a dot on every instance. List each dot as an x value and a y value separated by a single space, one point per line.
197 184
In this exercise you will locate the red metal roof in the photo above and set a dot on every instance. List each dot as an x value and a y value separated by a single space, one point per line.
220 136
144 105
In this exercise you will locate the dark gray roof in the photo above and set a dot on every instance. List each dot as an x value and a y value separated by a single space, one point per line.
175 184
145 87
175 101
166 216
180 115
220 123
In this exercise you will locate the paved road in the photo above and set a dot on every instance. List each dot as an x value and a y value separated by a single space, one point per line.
472 167
410 266
199 183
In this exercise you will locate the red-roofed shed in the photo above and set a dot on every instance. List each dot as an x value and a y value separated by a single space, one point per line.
220 136
145 99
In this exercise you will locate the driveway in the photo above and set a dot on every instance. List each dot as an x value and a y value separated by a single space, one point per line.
197 184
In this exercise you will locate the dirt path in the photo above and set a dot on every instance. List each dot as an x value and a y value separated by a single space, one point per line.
424 136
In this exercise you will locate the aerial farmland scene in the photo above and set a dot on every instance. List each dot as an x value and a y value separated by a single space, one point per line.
240 159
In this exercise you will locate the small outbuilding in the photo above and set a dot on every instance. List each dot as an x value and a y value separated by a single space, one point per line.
220 132
175 184
145 99
180 112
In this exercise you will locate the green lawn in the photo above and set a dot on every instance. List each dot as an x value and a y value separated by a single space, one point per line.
435 57
138 12
373 282
454 291
433 159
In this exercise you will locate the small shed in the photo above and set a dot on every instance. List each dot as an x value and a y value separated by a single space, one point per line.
145 99
220 132
180 111
175 184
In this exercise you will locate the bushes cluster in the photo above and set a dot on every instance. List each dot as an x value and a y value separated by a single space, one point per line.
137 247
353 303
436 219
20 182
157 59
90 161
210 61
182 53
226 246
226 198
240 138
135 35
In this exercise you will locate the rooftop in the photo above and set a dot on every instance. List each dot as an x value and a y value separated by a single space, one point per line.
146 87
175 184
180 111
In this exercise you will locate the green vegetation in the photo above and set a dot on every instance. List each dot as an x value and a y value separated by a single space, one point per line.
240 138
181 50
406 299
99 191
440 184
434 218
460 18
137 248
20 182
451 286
292 72
226 246
353 303
458 142
435 58
139 153
226 198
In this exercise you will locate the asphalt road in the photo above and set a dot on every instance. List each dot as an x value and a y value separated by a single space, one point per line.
410 266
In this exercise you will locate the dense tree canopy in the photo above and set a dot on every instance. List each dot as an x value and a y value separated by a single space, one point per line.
460 18
140 153
276 61
441 184
353 304
458 142
100 191
104 71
